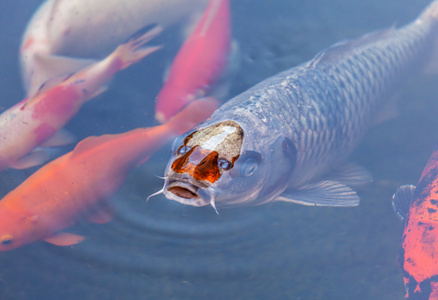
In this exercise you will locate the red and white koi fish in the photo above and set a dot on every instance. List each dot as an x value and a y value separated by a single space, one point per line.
63 35
75 185
418 208
199 64
35 120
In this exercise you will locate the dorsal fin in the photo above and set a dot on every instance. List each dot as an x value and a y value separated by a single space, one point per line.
341 48
90 143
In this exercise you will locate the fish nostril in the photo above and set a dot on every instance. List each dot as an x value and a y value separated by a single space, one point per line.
182 192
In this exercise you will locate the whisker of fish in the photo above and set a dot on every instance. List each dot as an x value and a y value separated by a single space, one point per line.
155 194
161 177
213 204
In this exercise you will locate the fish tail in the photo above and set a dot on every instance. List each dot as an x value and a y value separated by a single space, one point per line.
430 15
133 50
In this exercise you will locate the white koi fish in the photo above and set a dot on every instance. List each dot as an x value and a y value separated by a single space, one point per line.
63 35
35 120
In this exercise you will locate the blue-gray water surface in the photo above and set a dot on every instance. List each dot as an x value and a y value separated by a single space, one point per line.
163 250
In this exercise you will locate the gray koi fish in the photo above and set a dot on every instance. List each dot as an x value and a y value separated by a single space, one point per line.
288 137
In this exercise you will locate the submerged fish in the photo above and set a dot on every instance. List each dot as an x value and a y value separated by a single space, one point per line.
279 140
418 208
35 120
200 62
63 35
75 185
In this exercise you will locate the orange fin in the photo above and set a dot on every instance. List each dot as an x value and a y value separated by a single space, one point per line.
64 239
90 143
101 216
143 160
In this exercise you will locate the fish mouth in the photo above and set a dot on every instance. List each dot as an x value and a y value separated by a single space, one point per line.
185 193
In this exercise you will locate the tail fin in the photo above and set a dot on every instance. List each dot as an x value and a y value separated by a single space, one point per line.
132 51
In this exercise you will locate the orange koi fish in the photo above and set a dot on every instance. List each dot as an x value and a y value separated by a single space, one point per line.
75 185
199 64
35 120
418 208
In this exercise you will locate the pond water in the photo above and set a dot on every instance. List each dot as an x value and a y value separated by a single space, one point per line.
161 249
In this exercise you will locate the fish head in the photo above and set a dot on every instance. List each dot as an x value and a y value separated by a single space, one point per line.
16 229
214 166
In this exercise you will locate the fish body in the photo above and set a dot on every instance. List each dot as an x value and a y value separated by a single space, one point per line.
288 137
418 208
36 119
62 33
75 185
200 62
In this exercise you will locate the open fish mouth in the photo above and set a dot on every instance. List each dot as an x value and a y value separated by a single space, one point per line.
185 193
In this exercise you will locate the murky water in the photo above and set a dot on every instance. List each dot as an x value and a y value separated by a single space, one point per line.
163 250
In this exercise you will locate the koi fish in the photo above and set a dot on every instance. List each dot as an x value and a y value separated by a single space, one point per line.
64 35
288 137
75 185
199 64
35 120
418 208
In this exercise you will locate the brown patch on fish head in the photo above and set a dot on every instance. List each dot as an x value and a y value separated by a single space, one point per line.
203 157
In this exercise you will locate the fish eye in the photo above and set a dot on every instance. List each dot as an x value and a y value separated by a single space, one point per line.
224 164
249 167
183 150
6 239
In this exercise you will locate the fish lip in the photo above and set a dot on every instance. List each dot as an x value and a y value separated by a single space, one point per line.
185 186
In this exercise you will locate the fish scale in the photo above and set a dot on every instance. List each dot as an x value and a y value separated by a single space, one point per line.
361 96
304 122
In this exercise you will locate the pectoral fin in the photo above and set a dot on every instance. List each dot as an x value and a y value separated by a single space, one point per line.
351 174
102 216
61 138
34 158
402 199
323 193
389 111
53 69
64 239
